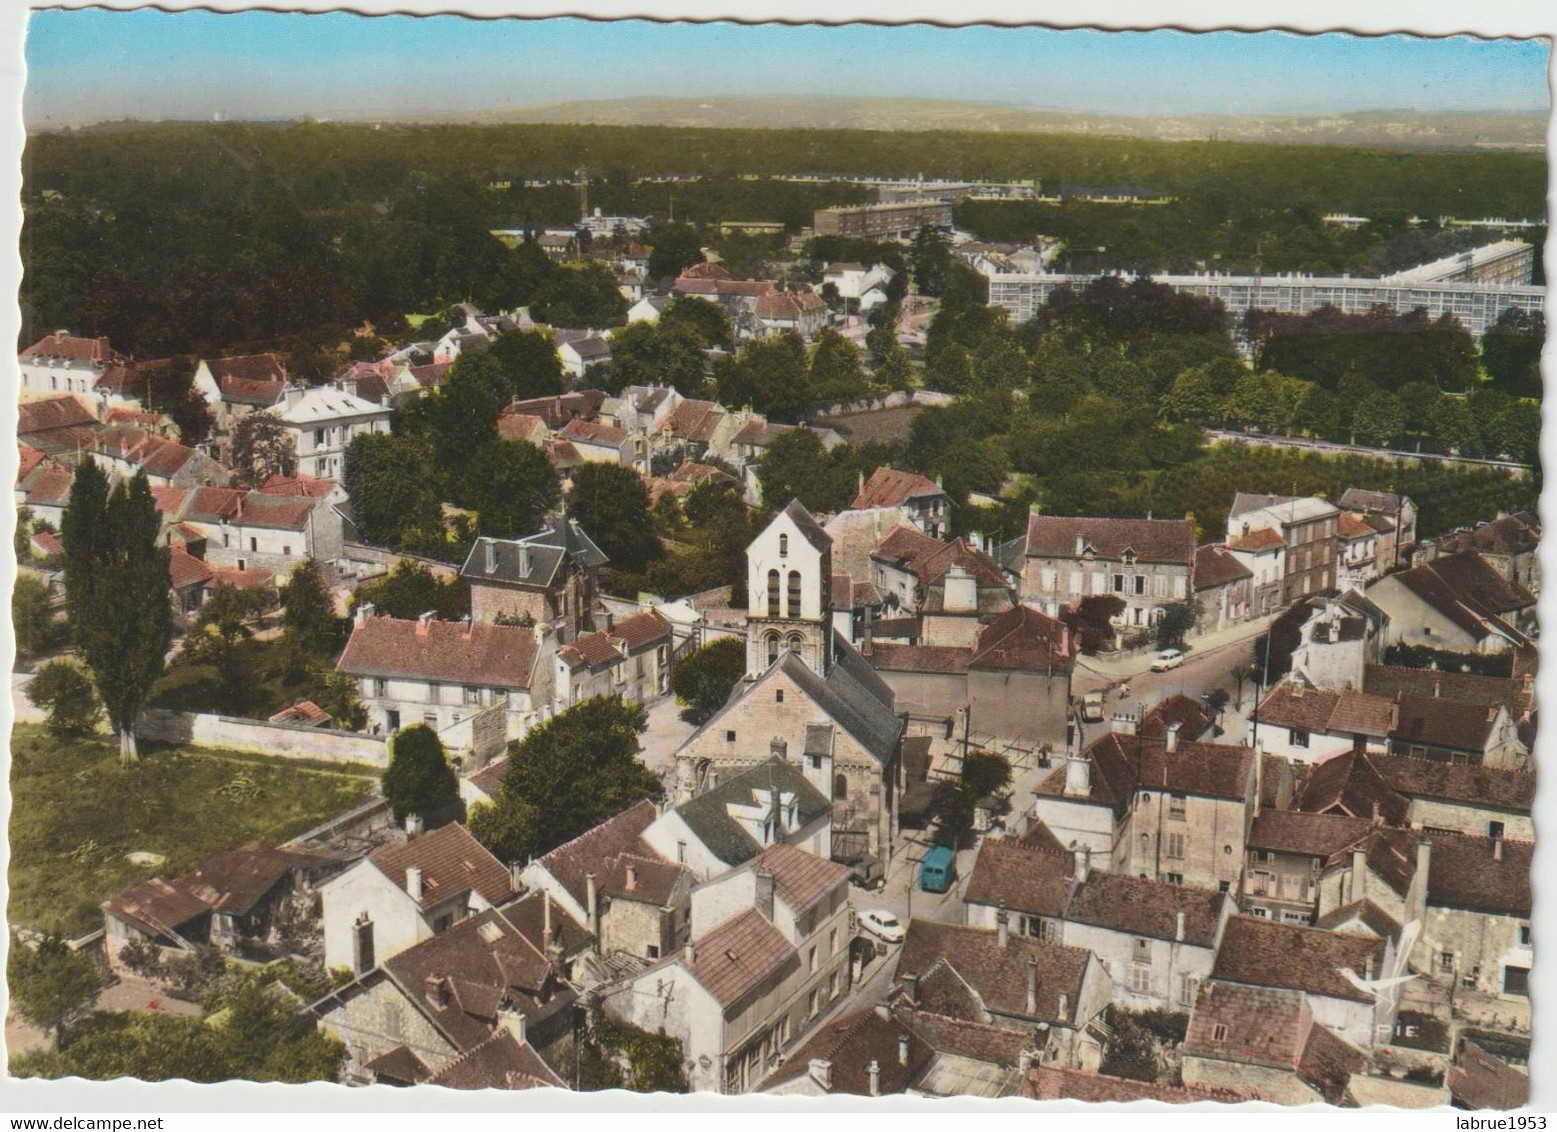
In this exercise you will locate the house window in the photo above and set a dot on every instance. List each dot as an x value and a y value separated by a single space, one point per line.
772 640
840 788
253 546
813 1005
1176 846
1446 962
1260 882
729 736
472 695
1140 584
1219 1032
1143 951
318 438
1119 586
286 549
778 696
832 942
1297 738
1188 985
362 932
681 852
1176 805
792 602
783 546
431 719
811 959
1516 981
1173 878
381 688
1141 980
1494 829
832 985
651 951
773 593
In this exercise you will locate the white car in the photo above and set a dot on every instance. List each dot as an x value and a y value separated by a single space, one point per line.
883 925
1166 659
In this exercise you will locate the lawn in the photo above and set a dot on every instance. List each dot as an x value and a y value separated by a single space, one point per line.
76 814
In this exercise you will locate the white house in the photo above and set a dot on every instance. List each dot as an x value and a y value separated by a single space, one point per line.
581 351
629 658
324 420
443 673
408 892
62 363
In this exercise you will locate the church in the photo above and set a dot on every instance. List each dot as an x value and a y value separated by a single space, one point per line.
808 696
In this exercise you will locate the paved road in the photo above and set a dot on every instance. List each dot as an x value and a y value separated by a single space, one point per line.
1202 671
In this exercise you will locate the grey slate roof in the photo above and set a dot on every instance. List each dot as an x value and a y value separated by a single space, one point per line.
709 818
548 548
854 696
809 527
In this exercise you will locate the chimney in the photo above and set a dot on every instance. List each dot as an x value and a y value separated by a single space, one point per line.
1024 1060
764 900
413 883
465 622
1083 865
1497 848
422 622
294 394
364 613
1359 874
514 869
911 986
435 988
511 1018
490 549
1078 775
1002 927
1178 928
873 1072
689 953
902 1049
1032 986
592 904
1081 545
632 876
413 826
1173 736
524 560
1378 816
822 1072
1063 1004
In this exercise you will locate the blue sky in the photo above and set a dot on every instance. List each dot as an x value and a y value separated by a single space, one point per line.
91 65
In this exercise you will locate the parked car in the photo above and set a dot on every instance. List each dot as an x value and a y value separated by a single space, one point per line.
938 870
883 925
1092 706
1165 659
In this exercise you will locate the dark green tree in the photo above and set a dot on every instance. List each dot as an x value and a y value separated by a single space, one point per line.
612 504
702 682
410 589
528 362
770 375
392 482
797 466
63 690
566 776
1178 618
32 616
1511 352
836 373
262 447
706 319
672 249
658 354
419 779
116 591
50 983
511 485
308 611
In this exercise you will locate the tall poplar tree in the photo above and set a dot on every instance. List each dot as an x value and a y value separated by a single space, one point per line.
116 593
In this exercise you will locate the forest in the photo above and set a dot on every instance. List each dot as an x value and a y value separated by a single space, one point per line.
198 238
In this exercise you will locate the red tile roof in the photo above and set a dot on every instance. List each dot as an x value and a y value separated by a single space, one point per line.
1122 764
1512 692
49 484
28 458
433 375
1193 718
1169 541
593 850
65 411
592 432
306 487
1458 783
1480 1080
522 426
1350 526
250 379
1050 1083
1257 541
1505 536
1307 834
47 543
305 712
67 347
784 305
1264 953
1023 639
1215 567
737 956
478 653
707 269
999 974
1351 784
800 878
500 1062
1480 874
693 420
185 570
850 1043
452 862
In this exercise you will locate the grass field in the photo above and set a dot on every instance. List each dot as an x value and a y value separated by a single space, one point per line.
76 814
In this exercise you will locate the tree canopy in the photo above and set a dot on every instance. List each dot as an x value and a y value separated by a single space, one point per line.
703 681
419 779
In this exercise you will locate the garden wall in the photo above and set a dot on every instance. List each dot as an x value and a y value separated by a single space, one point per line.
279 740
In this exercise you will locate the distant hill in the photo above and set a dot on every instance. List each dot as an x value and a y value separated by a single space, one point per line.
1402 129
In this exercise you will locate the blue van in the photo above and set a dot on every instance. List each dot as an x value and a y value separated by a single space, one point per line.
938 870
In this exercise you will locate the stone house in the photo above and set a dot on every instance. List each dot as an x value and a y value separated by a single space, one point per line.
1342 636
727 825
1476 930
802 312
275 532
1012 681
768 954
925 502
63 363
442 673
1357 549
1265 1043
1168 809
1454 797
1156 940
1053 992
633 900
600 443
906 563
1308 531
1287 851
808 695
122 452
629 658
1460 603
1392 516
408 892
1510 543
323 421
582 352
235 387
1146 563
550 577
420 1013
1343 975
242 900
1222 585
1262 552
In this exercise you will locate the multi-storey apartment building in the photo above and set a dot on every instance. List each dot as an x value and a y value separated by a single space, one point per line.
1147 563
1308 529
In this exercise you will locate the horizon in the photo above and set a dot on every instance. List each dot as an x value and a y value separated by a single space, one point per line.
149 66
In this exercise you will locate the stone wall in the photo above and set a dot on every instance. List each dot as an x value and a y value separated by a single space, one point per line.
279 740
